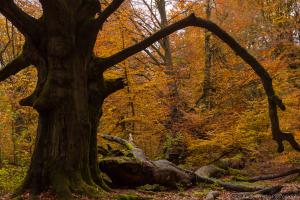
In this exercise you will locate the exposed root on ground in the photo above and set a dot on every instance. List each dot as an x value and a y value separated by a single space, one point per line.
273 176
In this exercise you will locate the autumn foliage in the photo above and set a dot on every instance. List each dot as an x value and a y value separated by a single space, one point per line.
237 120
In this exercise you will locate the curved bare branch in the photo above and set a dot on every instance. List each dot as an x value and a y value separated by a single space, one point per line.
93 26
108 11
266 79
21 20
14 67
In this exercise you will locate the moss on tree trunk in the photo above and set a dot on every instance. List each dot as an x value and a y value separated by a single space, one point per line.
64 155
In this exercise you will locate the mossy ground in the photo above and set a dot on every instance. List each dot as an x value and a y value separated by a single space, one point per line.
11 177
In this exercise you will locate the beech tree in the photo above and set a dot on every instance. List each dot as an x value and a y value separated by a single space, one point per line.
71 88
207 83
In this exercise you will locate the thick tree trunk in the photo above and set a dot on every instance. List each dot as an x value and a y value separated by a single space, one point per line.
69 93
64 155
60 156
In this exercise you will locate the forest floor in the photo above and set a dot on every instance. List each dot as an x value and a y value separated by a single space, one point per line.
290 183
196 193
265 163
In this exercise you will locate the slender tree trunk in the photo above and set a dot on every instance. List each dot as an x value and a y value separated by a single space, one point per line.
13 139
174 153
129 127
17 127
207 83
170 71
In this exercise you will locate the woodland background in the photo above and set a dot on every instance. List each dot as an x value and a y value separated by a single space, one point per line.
197 104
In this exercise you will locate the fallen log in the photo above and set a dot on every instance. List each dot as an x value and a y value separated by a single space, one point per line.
138 153
127 172
138 170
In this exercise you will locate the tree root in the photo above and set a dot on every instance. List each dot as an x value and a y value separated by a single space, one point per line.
64 186
271 176
291 193
270 190
239 187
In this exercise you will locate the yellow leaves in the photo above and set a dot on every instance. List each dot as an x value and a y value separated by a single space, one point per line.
117 35
279 20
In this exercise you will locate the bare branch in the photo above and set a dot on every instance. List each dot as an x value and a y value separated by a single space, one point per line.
145 25
21 20
192 20
156 61
92 28
152 13
144 37
109 11
152 17
124 54
14 67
